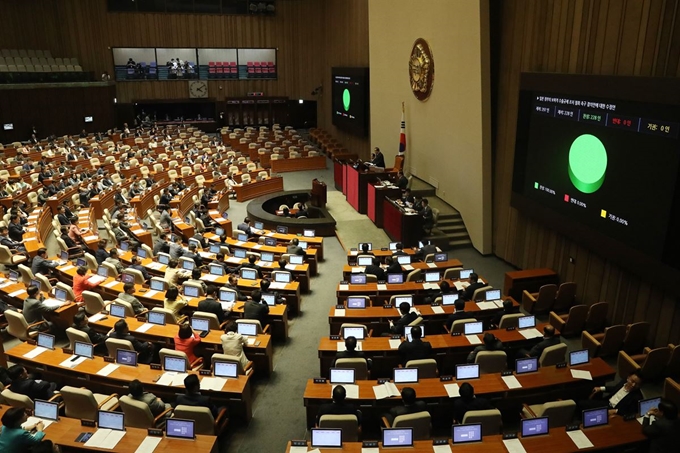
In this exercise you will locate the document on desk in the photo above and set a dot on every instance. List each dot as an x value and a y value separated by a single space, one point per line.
108 369
351 389
66 268
461 285
73 361
431 286
17 293
298 449
105 438
343 287
144 327
149 444
111 284
453 390
210 277
150 293
407 267
530 333
473 339
32 421
316 450
446 448
277 285
155 265
367 450
432 265
339 312
438 309
233 260
486 305
291 267
257 246
213 383
96 317
394 343
385 390
581 374
358 269
382 287
514 446
6 283
53 303
580 439
166 378
240 243
511 382
35 352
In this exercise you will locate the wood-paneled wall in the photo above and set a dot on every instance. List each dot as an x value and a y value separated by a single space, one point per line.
310 35
612 37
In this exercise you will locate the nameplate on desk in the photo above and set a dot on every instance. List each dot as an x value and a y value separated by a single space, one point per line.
31 342
335 337
369 444
67 351
573 427
509 435
384 249
456 334
156 366
205 372
340 306
109 359
87 423
420 281
396 337
440 442
382 282
141 318
627 418
506 373
320 380
298 443
388 306
435 304
561 365
383 380
511 328
154 432
445 378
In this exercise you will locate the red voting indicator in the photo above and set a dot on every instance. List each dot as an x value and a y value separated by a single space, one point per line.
566 198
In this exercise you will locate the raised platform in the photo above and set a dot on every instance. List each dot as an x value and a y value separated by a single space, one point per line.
263 209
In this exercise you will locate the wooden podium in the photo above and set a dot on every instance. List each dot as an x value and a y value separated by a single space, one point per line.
319 194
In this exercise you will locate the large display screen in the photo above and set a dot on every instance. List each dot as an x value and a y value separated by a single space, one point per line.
604 161
350 99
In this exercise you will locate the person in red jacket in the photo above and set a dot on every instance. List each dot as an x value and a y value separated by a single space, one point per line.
81 282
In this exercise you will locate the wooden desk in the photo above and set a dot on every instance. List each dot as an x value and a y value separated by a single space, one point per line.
299 164
282 240
614 437
65 431
529 279
400 226
236 393
441 266
258 188
261 355
448 350
546 384
375 196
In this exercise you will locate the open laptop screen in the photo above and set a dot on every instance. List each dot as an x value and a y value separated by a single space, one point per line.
248 274
141 253
200 324
247 328
117 310
157 285
595 417
45 340
111 420
473 328
449 299
226 369
647 405
398 300
526 322
465 273
492 294
535 426
125 357
356 302
46 410
397 437
467 371
404 259
326 438
357 279
240 253
227 295
282 277
179 428
461 434
271 242
528 365
405 375
83 349
191 291
342 376
177 364
267 256
431 276
356 332
297 259
578 357
269 298
395 279
365 261
163 258
157 318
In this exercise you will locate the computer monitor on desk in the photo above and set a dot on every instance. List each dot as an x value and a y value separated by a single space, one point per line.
405 375
356 302
326 438
404 259
526 322
226 369
462 434
342 376
180 429
465 273
364 261
82 349
125 357
46 340
470 371
111 420
297 259
397 437
595 417
46 410
357 332
535 427
248 274
176 364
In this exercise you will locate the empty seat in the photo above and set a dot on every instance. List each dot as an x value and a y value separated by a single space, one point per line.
604 344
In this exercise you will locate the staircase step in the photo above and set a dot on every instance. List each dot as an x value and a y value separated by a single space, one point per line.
460 244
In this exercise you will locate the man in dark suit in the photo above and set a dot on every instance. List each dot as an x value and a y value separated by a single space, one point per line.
210 305
146 349
27 384
350 351
402 181
468 402
294 247
245 227
393 266
664 431
474 285
460 313
415 349
193 397
621 398
166 197
411 406
338 406
250 265
549 339
16 231
376 270
407 317
255 309
422 253
80 322
378 159
61 216
508 309
400 250
428 216
406 197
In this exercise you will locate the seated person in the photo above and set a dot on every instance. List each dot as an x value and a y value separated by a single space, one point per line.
193 397
113 259
173 274
474 285
245 227
8 242
468 402
338 406
82 282
407 317
402 181
294 248
460 313
411 405
186 340
375 269
365 250
251 265
508 309
255 308
193 255
663 429
196 279
233 285
14 438
393 266
146 349
136 264
233 343
621 398
80 322
34 309
549 339
101 254
29 384
156 405
210 305
350 351
415 349
42 265
173 300
491 343
265 283
128 296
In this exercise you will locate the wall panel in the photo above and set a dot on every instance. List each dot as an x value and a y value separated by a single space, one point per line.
631 37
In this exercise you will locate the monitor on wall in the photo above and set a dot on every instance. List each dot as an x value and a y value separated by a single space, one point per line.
350 99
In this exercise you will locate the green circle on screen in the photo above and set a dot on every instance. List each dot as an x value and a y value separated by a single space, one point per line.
346 99
587 163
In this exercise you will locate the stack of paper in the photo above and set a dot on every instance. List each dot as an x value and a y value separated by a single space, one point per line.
486 305
53 303
233 260
96 317
343 287
277 285
431 286
385 390
105 438
291 267
155 265
31 421
151 293
35 352
438 310
172 378
514 446
432 265
580 439
213 383
367 450
17 293
108 369
358 269
110 284
446 448
473 339
581 374
394 343
511 382
453 390
144 327
149 444
461 285
210 277
298 449
351 389
257 246
530 333
339 312
407 267
382 287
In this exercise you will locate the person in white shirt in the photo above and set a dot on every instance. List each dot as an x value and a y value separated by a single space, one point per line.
233 343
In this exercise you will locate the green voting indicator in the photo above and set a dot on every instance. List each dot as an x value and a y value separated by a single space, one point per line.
587 163
346 99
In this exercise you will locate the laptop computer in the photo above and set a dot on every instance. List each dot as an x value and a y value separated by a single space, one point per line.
227 295
242 237
468 371
111 420
226 369
195 242
357 279
125 357
492 295
303 245
463 434
535 426
393 246
163 258
648 404
240 253
404 259
125 246
356 332
155 317
156 285
282 277
449 299
63 258
269 298
80 262
46 340
326 438
356 302
528 365
364 260
267 257
407 332
188 265
400 299
60 294
177 364
579 357
46 410
13 276
271 242
127 278
248 274
219 231
395 279
178 428
526 322
102 271
200 324
342 376
465 273
432 277
142 253
216 269
296 259
215 248
82 349
308 233
473 328
117 310
225 215
595 417
405 375
397 437
191 291
258 225
247 329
